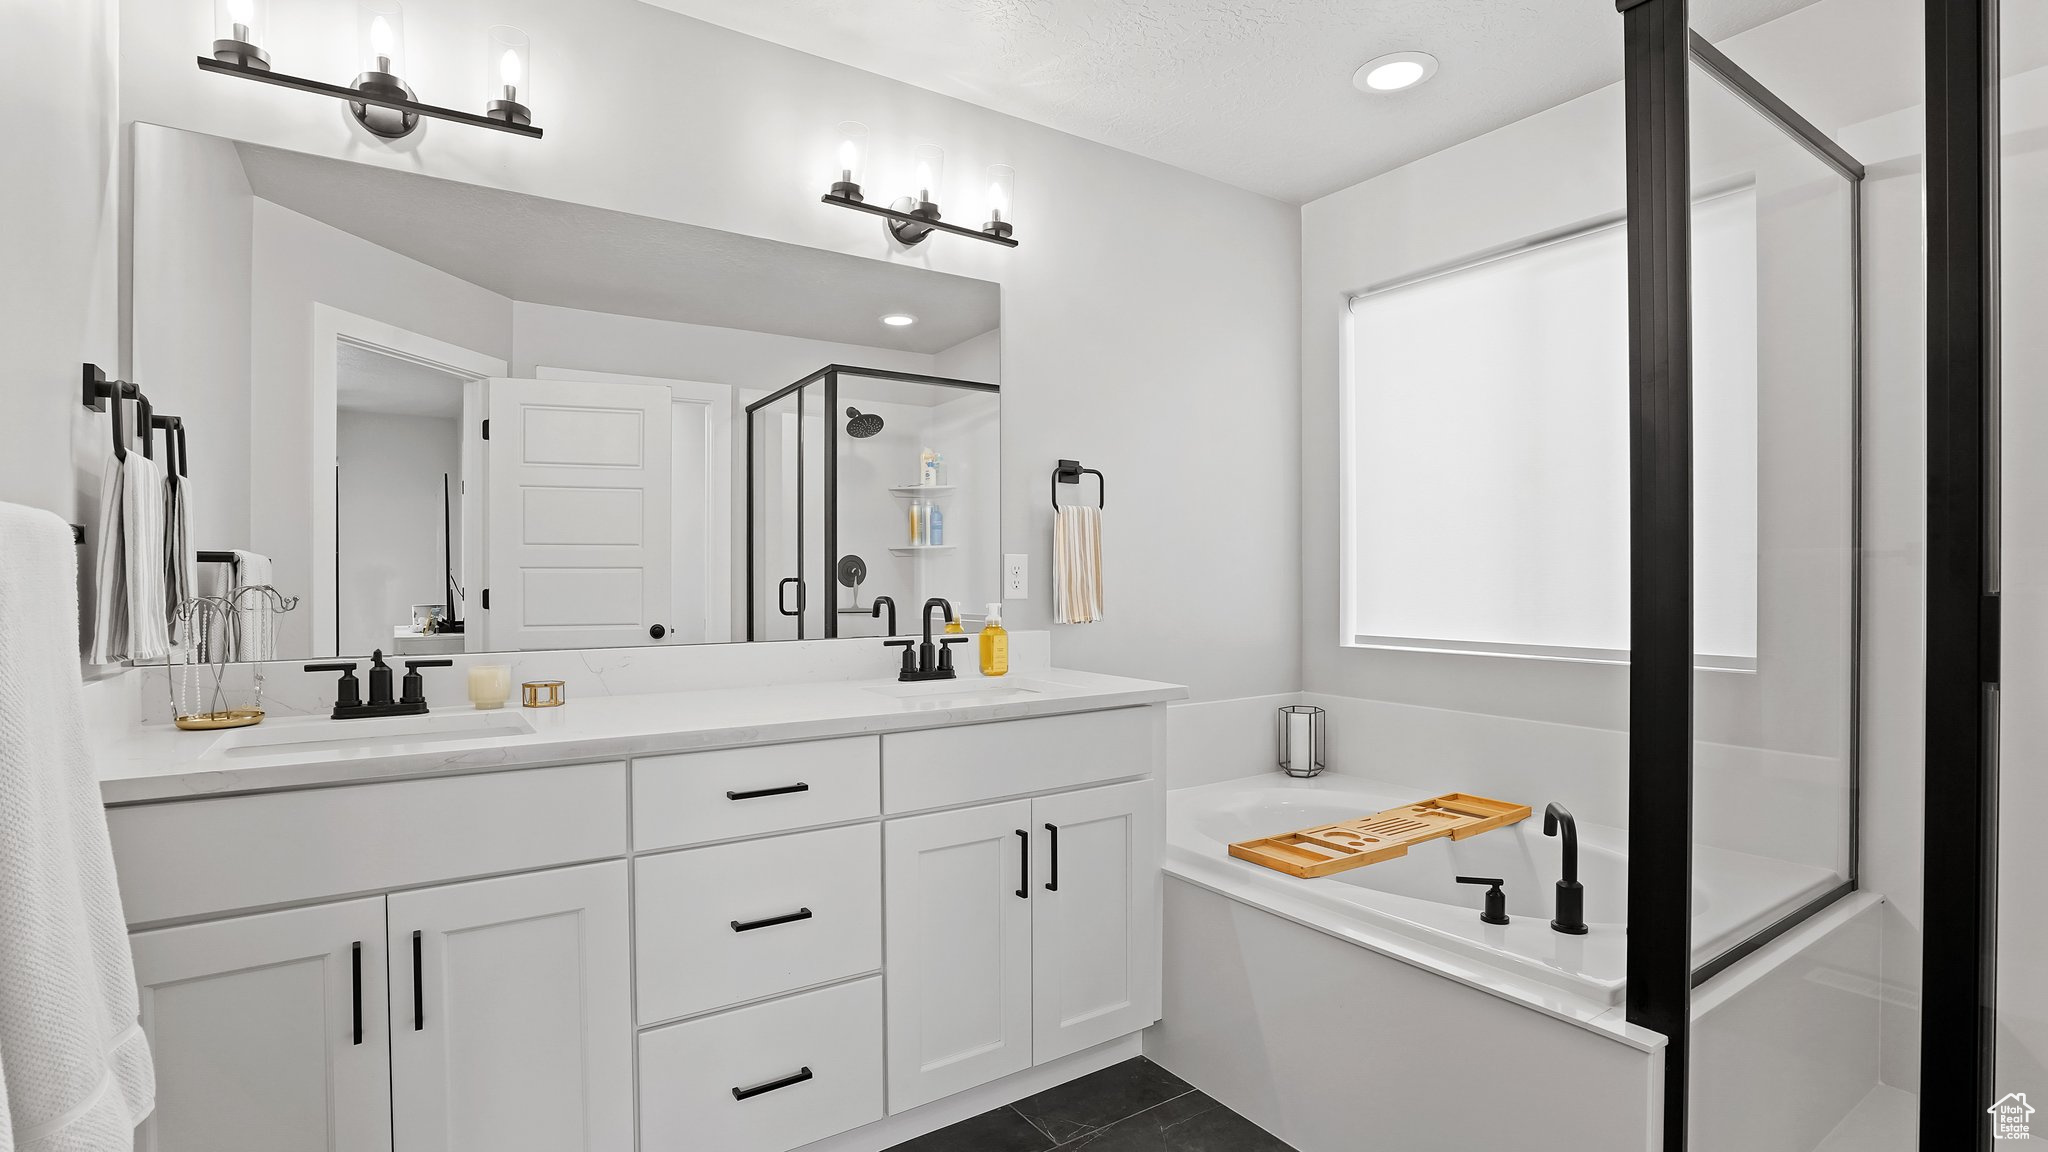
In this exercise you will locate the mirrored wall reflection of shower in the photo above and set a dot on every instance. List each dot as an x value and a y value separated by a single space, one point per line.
868 484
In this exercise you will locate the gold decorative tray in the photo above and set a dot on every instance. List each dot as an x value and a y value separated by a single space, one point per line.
215 721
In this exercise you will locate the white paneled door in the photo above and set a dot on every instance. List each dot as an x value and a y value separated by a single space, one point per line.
1094 917
511 1014
957 900
268 1032
579 511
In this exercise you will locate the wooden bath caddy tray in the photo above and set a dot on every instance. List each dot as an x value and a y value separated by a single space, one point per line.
1331 848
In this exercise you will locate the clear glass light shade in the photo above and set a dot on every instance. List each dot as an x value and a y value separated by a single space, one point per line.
508 64
927 172
1002 193
380 37
243 21
850 152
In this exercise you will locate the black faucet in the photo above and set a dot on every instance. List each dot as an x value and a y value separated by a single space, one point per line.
1571 897
934 661
1496 911
348 691
882 602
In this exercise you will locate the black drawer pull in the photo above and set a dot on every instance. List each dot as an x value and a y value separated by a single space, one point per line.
419 992
1023 864
1052 883
785 790
772 921
799 1077
355 965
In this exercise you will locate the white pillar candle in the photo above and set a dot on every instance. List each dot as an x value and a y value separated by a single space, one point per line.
490 685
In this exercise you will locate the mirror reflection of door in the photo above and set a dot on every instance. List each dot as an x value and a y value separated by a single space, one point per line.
400 506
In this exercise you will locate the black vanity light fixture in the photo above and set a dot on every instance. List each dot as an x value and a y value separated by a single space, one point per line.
913 217
379 97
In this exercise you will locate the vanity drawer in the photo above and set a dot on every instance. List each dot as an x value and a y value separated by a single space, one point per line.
689 1073
693 959
195 857
697 797
942 767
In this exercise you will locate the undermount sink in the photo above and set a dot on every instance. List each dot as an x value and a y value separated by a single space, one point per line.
936 694
317 735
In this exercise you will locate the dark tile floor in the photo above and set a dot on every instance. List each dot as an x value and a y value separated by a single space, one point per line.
1135 1106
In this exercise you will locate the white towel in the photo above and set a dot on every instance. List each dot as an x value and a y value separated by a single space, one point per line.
1077 564
131 613
255 631
72 1053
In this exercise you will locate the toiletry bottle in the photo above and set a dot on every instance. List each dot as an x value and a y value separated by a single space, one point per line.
916 525
928 468
953 626
995 644
934 525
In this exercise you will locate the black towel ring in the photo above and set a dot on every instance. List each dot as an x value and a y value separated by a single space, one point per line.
1070 472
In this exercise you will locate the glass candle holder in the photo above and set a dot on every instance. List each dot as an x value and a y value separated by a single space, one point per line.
1002 197
542 693
490 685
508 61
1301 740
380 38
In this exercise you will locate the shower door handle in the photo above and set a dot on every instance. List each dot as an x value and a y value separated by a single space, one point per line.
782 600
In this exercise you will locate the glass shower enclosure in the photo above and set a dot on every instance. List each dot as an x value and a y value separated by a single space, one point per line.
865 483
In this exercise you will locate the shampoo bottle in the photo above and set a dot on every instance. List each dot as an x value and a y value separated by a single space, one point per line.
934 525
995 644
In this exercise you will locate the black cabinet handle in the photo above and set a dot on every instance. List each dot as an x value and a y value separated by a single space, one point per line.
772 921
419 990
785 790
355 965
797 1077
1052 844
1023 864
782 601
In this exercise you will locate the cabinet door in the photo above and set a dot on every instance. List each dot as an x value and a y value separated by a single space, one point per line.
957 949
512 1014
1094 917
268 1032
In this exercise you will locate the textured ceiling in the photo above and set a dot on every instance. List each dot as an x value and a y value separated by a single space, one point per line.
1256 93
575 256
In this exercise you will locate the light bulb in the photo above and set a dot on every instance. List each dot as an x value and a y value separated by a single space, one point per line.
997 202
508 68
242 12
381 42
849 157
924 181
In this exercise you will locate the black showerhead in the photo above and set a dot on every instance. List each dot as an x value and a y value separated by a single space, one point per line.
861 427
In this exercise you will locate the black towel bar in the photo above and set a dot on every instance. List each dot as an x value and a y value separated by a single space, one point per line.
1070 472
98 390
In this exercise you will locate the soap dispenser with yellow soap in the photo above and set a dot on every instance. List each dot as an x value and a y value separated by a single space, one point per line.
995 644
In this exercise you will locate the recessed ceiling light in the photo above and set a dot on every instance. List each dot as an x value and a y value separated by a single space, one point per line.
899 319
1394 71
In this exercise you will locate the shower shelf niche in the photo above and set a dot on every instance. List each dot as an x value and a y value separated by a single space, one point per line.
919 549
915 491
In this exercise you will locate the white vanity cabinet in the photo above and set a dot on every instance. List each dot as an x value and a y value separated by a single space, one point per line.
505 1022
763 946
1018 933
268 1032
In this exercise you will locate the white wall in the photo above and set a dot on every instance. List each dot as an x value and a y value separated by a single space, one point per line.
389 522
59 248
1151 316
298 262
189 306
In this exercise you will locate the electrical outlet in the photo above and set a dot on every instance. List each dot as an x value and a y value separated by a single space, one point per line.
1016 577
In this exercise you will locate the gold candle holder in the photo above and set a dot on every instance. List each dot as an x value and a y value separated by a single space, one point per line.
542 693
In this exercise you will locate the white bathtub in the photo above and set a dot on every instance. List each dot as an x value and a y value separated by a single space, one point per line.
1415 908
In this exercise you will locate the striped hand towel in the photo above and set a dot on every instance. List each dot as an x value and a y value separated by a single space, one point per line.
1077 564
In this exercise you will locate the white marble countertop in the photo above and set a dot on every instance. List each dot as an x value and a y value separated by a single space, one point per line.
158 762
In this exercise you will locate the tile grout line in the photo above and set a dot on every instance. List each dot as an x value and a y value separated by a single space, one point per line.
1113 1123
1035 1125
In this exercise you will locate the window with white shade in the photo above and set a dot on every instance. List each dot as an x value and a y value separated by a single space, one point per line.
1485 430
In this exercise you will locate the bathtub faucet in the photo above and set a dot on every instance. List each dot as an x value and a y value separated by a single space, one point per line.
1571 896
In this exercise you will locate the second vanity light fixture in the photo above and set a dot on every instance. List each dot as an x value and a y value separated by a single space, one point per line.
379 97
915 216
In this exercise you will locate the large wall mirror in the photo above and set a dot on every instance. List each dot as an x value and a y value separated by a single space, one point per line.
449 418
